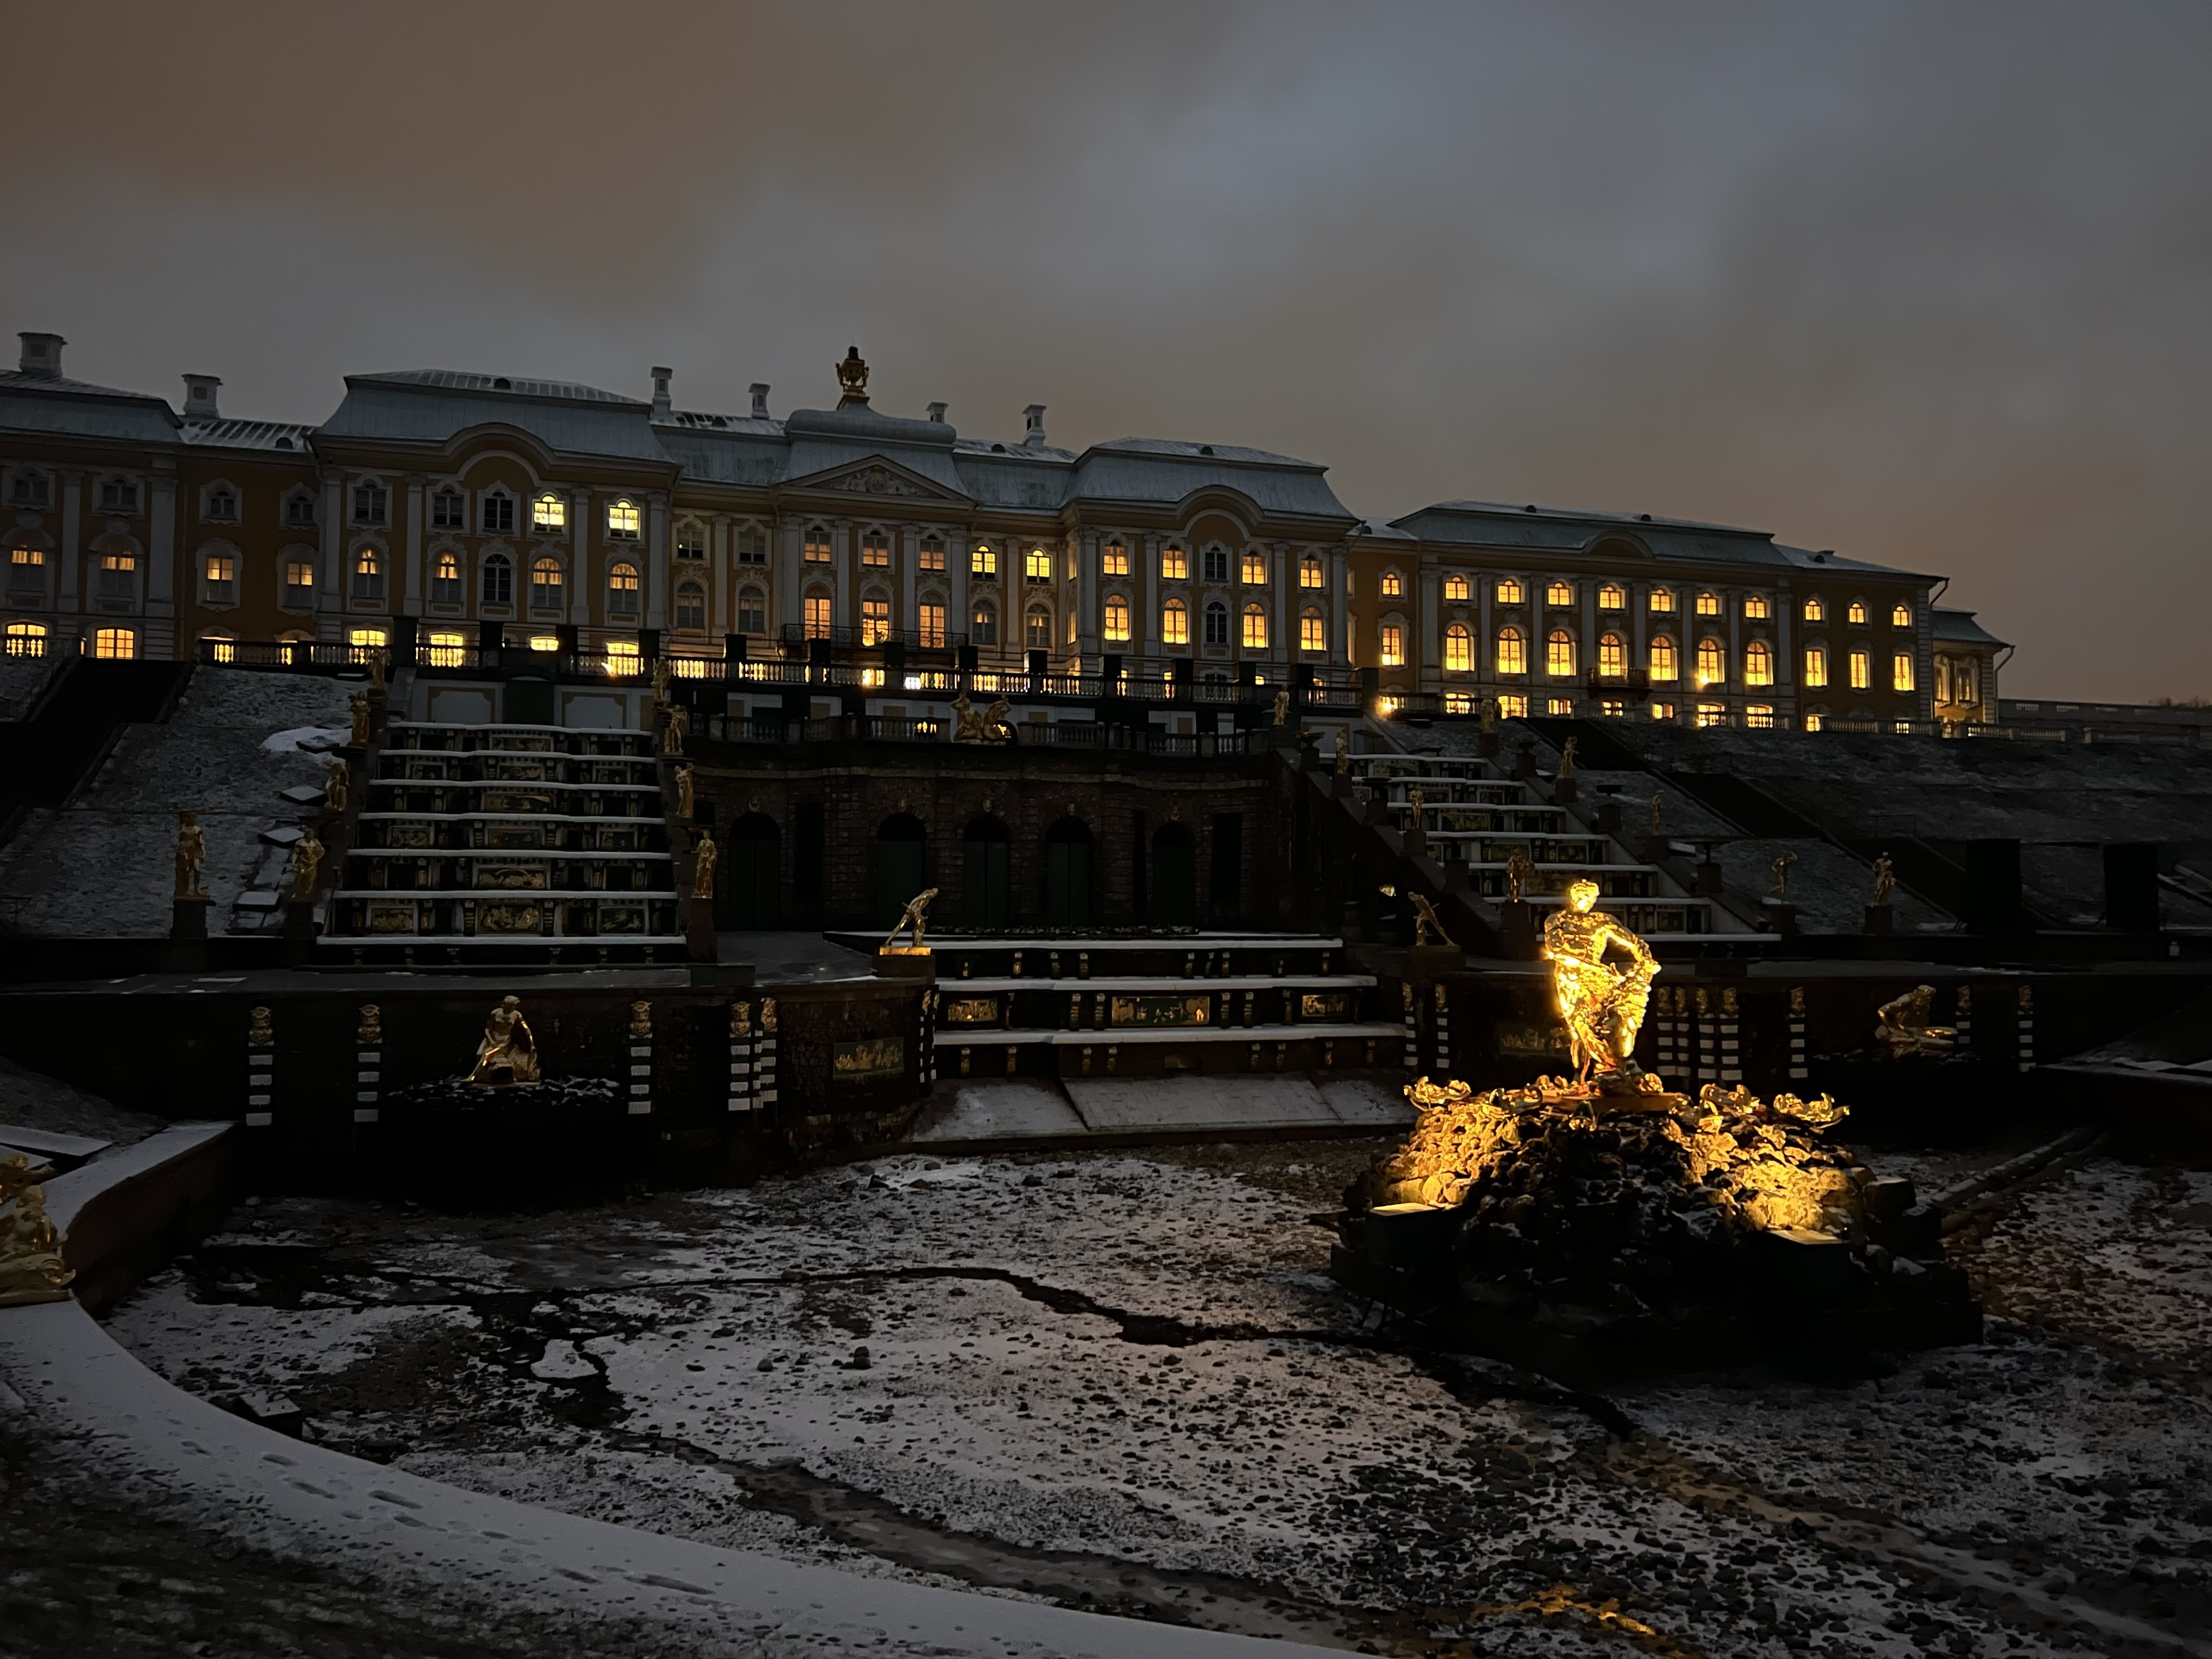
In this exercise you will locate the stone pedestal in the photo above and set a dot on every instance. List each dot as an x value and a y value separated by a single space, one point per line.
1486 746
699 942
1608 821
298 919
1781 916
1877 919
1520 930
905 962
1709 879
1427 961
188 918
1655 849
1416 843
1563 792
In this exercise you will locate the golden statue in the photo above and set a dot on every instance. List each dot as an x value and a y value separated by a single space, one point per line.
1487 707
31 1265
852 378
337 784
703 854
741 1020
1658 797
661 672
683 791
307 859
1885 879
376 668
1425 924
369 1033
1602 1005
18 1172
508 1054
1782 860
967 724
672 736
1520 870
1902 1028
1567 759
996 728
641 1020
1282 708
1343 754
767 1015
915 917
192 855
358 705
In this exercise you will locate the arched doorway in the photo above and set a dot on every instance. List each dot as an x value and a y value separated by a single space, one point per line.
752 874
987 887
901 865
1174 878
1067 874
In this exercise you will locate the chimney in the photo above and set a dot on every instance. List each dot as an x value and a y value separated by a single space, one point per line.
661 379
759 389
199 397
1035 416
937 413
42 355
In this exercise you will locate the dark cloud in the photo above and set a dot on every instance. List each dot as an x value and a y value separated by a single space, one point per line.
1922 283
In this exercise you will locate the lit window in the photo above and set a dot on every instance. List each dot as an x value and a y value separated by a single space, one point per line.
369 639
984 623
933 625
29 564
1813 722
624 660
1256 628
1174 623
498 514
1666 664
875 619
222 578
1509 590
983 562
444 580
1037 630
114 644
1512 652
1612 656
817 616
1114 559
1857 613
221 504
1559 654
1663 601
752 612
1816 666
369 502
1253 572
447 510
1313 632
1036 565
1117 619
1457 588
1900 616
690 540
1662 711
1754 608
1394 646
1758 664
27 639
1815 610
1759 716
545 641
622 589
1216 623
448 649
691 606
1561 707
368 573
1713 661
1612 596
299 581
1459 649
1394 585
1312 573
498 579
752 547
549 513
546 585
1900 671
1559 593
876 550
1216 566
623 520
1175 564
1512 706
1611 708
1712 714
1458 702
1861 669
1709 604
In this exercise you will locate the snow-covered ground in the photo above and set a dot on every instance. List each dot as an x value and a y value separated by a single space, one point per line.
1122 1381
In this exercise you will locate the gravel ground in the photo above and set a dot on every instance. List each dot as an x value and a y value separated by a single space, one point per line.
1121 1381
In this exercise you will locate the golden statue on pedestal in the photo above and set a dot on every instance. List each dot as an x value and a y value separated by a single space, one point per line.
703 854
357 705
684 787
852 378
996 728
337 784
31 1265
1520 870
192 854
1342 754
508 1053
1885 879
1282 708
916 917
307 859
1600 1004
1901 1025
967 724
671 736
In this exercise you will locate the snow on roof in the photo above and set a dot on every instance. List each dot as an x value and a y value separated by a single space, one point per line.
456 379
249 435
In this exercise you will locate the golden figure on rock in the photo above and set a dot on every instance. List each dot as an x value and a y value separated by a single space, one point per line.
307 859
337 784
1885 879
1902 1028
192 855
1782 860
508 1053
1488 709
916 918
358 705
1520 868
1600 1004
31 1265
996 727
1282 708
967 724
683 787
1342 754
672 736
1567 758
703 854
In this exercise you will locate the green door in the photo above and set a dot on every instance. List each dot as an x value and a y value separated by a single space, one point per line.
987 887
1175 880
1068 883
752 875
898 878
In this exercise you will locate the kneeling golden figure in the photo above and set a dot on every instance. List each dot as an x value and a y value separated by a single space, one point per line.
1600 1003
508 1054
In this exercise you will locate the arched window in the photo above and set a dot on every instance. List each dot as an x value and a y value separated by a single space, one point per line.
875 618
1117 620
1857 613
27 639
623 520
447 510
27 568
622 589
1612 656
1509 590
1459 649
1175 564
1559 654
1457 588
219 570
1861 661
931 623
498 579
221 504
985 623
1666 666
1036 631
814 545
1512 652
752 610
1559 593
1900 616
690 539
932 552
1815 610
1612 596
1816 667
1713 661
1216 623
1393 585
1114 558
1256 628
548 514
1036 565
1392 642
114 644
1758 664
1754 607
1709 604
546 585
498 513
983 562
1216 564
815 610
1313 631
1175 623
368 573
1900 671
691 606
1311 572
445 579
1253 570
1663 601
876 550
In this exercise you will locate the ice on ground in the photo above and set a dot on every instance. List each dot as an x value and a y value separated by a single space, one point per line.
310 739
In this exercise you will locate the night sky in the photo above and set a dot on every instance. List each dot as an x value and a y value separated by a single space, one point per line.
1929 284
